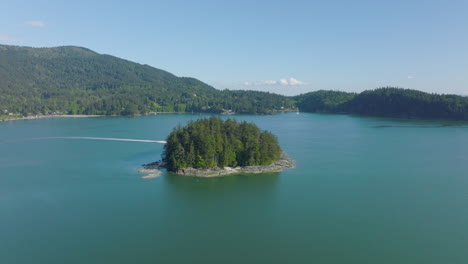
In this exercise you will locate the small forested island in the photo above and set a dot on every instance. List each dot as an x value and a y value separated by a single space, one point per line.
215 147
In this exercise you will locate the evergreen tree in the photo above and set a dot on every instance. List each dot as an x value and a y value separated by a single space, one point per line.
213 142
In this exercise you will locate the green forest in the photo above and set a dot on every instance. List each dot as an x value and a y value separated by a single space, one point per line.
387 102
75 80
212 142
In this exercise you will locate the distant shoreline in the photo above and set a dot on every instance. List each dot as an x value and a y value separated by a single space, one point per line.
77 116
46 116
81 116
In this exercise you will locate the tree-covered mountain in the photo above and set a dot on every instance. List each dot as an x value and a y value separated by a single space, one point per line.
75 80
387 102
406 103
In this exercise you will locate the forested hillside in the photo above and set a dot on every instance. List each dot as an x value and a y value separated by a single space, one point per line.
387 102
323 101
406 103
74 80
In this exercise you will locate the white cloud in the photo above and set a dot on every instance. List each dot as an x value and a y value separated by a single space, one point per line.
288 81
8 38
35 23
269 82
409 77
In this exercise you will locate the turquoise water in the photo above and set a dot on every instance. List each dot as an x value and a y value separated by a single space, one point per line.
364 190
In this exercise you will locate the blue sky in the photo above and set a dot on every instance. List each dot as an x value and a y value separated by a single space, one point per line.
287 47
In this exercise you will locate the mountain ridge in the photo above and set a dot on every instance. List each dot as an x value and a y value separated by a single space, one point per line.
76 80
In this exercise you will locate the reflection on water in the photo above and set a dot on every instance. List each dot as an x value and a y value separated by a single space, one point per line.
411 123
263 183
461 125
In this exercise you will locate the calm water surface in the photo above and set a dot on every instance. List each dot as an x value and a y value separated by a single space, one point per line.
365 190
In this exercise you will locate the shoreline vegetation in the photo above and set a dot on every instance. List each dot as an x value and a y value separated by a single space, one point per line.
15 118
154 169
33 117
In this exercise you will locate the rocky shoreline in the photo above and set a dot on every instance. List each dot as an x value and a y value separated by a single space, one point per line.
283 163
152 170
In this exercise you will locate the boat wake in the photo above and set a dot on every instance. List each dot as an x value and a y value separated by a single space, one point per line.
109 139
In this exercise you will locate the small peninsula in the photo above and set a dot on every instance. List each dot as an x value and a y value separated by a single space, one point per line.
215 147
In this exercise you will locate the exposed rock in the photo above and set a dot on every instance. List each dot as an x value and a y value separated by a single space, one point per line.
283 163
278 166
152 170
153 174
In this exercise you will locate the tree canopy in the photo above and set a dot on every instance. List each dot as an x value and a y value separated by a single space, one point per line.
323 101
212 142
387 102
75 80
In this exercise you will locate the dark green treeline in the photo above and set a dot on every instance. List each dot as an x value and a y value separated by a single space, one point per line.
386 102
213 142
